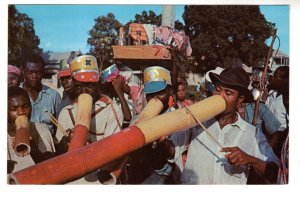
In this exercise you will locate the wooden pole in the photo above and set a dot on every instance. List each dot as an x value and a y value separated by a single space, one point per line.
263 80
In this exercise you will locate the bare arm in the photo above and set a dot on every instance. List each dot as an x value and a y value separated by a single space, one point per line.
117 83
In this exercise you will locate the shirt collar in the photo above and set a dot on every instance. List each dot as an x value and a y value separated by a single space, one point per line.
240 123
43 90
101 103
274 94
71 106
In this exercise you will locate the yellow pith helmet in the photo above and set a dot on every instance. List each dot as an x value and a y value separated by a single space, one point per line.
85 69
156 78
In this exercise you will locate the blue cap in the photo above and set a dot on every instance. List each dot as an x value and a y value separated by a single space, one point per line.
154 86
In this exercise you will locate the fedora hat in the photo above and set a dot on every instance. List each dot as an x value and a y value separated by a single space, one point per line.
236 78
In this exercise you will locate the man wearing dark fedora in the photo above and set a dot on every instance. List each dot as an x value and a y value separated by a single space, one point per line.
207 162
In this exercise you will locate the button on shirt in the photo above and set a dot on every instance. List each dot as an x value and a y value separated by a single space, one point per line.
205 163
47 101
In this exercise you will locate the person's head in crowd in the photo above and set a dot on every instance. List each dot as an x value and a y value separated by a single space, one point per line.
14 76
108 76
181 80
180 91
65 77
157 84
85 76
280 83
232 84
33 69
280 79
18 104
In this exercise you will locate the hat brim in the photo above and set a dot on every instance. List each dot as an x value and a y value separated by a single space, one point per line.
207 76
86 77
215 78
154 86
217 70
65 73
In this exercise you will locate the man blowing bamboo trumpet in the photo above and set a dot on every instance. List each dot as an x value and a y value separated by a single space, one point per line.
222 153
28 142
91 115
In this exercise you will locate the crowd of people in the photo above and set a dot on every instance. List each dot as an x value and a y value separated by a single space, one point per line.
249 154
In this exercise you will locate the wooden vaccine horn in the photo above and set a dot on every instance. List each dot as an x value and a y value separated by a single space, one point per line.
83 121
22 139
81 161
153 108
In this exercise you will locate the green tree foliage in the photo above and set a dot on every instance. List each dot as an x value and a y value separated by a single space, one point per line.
222 35
103 35
21 36
178 25
146 18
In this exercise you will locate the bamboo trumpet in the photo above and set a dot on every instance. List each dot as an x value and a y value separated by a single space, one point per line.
77 163
83 121
22 143
152 109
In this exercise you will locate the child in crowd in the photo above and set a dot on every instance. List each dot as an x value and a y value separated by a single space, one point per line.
14 76
41 142
181 100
